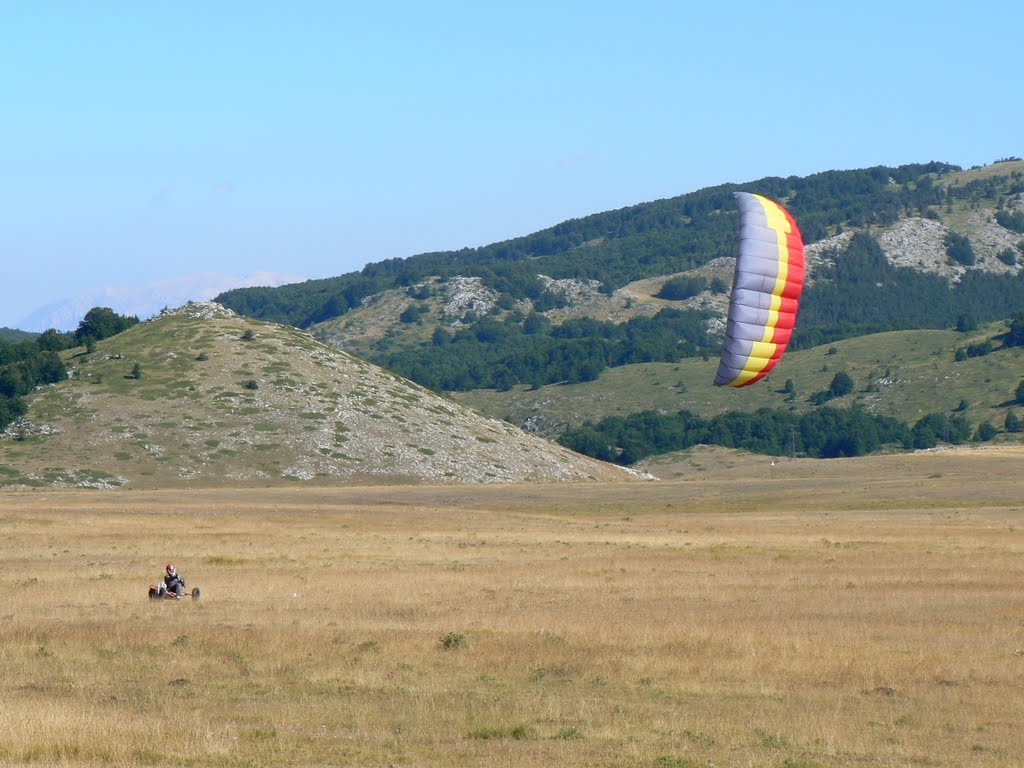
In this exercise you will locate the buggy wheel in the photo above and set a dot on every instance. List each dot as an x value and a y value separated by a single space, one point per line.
195 593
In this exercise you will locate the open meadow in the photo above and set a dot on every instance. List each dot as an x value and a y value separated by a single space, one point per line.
859 612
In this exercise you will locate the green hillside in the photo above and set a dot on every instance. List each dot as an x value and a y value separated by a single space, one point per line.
623 312
888 249
651 239
903 374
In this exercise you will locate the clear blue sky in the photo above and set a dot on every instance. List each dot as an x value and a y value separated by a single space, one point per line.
142 141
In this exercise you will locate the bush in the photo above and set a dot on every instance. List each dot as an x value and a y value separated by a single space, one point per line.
413 314
1013 423
959 249
979 350
985 432
679 288
453 641
251 384
966 323
419 291
841 385
1011 221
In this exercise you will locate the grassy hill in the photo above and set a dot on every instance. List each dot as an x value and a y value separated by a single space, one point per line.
203 396
903 374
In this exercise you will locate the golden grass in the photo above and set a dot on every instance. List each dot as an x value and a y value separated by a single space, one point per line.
855 613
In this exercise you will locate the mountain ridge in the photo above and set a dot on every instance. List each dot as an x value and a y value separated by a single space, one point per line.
892 226
651 239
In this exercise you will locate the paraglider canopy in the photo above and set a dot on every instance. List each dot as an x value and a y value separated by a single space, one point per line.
765 291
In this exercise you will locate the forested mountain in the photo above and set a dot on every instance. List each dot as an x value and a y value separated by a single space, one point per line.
863 228
618 247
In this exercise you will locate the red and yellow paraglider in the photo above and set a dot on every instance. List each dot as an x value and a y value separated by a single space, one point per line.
765 291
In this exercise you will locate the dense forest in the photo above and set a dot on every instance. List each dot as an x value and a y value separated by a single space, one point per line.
497 354
823 433
863 293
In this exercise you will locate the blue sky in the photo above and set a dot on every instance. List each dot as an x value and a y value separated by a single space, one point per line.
143 141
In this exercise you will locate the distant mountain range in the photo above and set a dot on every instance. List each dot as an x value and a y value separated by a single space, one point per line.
146 300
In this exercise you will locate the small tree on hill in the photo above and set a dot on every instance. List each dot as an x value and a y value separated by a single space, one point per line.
1013 423
959 249
102 322
841 385
985 432
966 323
1015 336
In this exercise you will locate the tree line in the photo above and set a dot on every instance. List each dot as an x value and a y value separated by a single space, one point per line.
826 432
36 361
497 354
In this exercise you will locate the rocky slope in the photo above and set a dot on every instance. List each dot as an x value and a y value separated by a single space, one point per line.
200 395
915 242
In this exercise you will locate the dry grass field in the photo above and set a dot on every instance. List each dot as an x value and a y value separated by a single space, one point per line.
864 612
